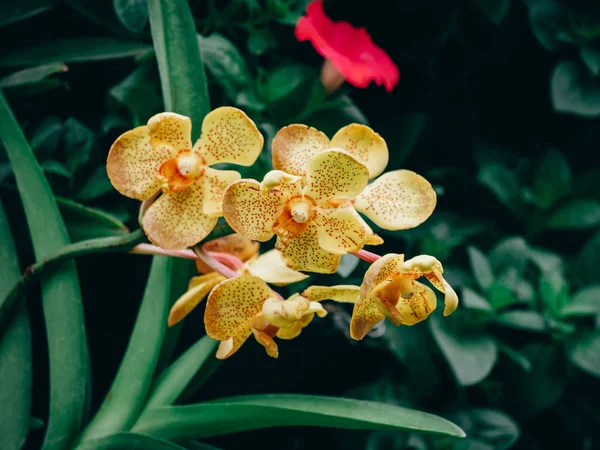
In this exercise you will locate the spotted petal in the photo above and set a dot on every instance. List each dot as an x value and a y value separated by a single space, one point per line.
215 183
343 293
170 130
294 145
295 330
340 230
133 164
381 270
231 310
198 289
271 267
418 306
303 252
229 135
335 174
364 144
250 211
175 221
397 200
365 316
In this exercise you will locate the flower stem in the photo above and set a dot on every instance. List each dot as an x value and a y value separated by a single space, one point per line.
366 256
231 261
211 261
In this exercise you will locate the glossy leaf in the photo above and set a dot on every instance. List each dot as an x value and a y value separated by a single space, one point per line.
83 49
552 179
495 10
576 214
585 353
128 441
471 356
523 320
133 14
182 75
96 185
63 314
88 223
481 268
32 75
15 11
174 379
15 351
574 91
235 414
505 186
489 428
133 380
585 302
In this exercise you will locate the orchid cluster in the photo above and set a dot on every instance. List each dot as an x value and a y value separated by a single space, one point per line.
311 201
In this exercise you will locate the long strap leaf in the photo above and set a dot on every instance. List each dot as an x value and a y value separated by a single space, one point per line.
61 296
128 441
235 414
15 352
134 378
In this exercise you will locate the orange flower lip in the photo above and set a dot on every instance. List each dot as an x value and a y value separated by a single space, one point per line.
351 50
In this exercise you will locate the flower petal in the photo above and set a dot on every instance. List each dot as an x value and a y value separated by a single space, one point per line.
215 183
335 174
303 252
381 270
271 267
293 146
175 221
343 293
229 135
198 289
397 200
365 145
133 164
417 307
232 306
365 316
250 211
340 230
170 130
267 342
232 244
232 345
295 330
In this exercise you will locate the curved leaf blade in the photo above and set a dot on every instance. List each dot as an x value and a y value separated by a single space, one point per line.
128 441
15 352
61 296
235 414
133 380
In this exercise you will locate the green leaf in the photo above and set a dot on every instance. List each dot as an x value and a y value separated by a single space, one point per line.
45 137
585 353
586 302
495 10
128 441
554 290
505 186
225 63
470 354
591 58
550 24
473 300
15 351
139 93
515 356
574 91
56 168
32 75
176 47
585 265
174 379
132 383
489 427
133 14
575 215
61 297
78 142
481 268
88 223
552 179
235 414
96 185
261 41
522 320
82 49
23 9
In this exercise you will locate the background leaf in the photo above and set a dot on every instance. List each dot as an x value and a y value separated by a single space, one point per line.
133 14
576 214
585 353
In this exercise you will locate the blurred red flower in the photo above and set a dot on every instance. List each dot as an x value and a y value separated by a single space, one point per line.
350 50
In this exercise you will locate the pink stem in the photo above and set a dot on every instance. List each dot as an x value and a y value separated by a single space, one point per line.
231 261
366 256
149 249
215 264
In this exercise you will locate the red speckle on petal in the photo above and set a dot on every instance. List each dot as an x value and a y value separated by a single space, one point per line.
351 50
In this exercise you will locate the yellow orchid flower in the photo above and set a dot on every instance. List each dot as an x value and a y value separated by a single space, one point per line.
233 244
160 156
397 200
390 289
243 306
269 266
314 221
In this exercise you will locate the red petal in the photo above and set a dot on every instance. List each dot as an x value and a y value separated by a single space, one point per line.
351 50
